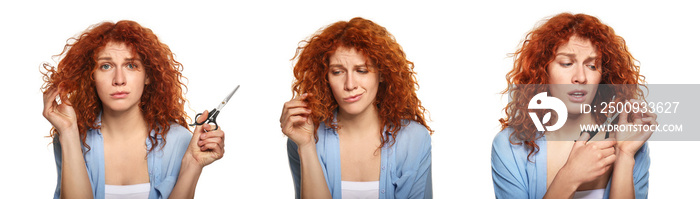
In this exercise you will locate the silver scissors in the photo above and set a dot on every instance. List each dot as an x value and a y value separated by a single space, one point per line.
607 122
215 112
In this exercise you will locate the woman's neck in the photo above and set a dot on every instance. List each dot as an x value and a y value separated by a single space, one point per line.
124 124
364 123
571 129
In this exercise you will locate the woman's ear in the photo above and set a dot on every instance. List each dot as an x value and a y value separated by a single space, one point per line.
148 81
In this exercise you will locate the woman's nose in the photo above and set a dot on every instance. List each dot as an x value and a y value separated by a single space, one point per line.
118 79
579 76
350 83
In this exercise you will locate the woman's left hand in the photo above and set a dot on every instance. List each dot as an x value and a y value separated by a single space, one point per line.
206 145
634 135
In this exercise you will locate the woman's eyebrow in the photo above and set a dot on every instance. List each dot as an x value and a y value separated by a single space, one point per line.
591 58
342 66
572 55
336 65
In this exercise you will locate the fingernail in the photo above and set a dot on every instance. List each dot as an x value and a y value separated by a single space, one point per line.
204 135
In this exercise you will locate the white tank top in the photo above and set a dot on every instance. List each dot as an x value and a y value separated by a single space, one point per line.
127 191
589 194
357 190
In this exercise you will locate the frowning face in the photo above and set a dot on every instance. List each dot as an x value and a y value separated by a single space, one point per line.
354 81
120 78
575 73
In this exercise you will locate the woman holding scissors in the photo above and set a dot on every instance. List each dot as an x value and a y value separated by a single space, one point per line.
356 127
579 61
116 104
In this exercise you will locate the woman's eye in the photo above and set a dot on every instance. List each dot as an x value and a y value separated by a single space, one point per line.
105 66
363 71
566 64
592 67
131 66
336 72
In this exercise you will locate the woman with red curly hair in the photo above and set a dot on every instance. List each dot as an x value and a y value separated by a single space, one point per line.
119 125
580 61
356 127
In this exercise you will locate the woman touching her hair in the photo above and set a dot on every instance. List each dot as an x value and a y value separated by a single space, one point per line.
580 61
356 127
116 104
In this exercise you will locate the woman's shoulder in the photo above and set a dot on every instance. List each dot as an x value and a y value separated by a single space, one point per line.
502 139
178 132
413 133
503 147
177 138
412 147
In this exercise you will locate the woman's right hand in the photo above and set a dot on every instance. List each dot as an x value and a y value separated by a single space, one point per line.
589 160
295 121
61 116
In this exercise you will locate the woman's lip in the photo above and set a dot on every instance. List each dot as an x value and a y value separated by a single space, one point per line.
353 98
119 95
578 91
577 99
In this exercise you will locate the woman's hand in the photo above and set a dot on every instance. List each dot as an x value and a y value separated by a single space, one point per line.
61 116
296 124
73 179
295 121
630 140
589 160
206 145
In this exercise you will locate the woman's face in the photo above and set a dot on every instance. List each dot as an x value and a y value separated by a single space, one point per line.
353 80
574 74
119 78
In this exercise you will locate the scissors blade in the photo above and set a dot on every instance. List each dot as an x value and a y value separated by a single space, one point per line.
610 119
225 101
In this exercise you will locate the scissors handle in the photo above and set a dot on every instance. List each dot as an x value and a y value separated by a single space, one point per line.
210 120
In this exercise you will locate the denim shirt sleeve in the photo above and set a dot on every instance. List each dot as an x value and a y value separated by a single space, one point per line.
414 162
294 166
640 172
507 175
58 156
328 156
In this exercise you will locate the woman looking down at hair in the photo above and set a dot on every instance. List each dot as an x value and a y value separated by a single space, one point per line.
356 127
580 61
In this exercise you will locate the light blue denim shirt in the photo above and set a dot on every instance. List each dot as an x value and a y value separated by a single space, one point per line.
163 164
405 166
516 177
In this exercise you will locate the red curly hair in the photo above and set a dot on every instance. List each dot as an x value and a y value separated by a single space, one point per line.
538 51
396 99
162 101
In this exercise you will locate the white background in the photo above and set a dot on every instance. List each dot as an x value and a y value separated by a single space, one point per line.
460 52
